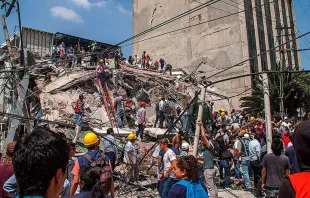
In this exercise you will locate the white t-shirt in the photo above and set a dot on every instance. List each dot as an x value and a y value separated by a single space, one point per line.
167 159
130 148
156 152
236 148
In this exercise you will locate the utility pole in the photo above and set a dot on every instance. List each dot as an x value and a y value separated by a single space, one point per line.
22 56
199 117
7 37
267 111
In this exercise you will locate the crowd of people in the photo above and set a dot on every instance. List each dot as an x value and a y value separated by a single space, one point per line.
145 62
74 55
230 153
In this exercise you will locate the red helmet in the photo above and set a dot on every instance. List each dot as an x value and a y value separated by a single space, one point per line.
142 103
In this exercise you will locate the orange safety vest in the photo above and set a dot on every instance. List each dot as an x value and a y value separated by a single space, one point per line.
76 108
301 184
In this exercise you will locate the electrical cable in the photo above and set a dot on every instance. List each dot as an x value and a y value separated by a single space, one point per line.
242 62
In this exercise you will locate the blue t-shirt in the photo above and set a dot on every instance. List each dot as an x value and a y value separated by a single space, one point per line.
176 151
179 191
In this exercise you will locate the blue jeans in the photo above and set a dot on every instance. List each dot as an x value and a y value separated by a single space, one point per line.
245 169
184 122
167 183
119 112
225 165
237 168
78 117
140 131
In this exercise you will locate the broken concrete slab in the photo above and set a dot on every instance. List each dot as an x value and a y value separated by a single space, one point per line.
67 81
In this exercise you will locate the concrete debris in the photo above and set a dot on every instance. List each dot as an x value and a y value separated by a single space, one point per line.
56 85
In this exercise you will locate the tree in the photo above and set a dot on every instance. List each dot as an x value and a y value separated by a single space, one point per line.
296 94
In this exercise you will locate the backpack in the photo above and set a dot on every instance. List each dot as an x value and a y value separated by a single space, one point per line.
194 189
245 147
106 172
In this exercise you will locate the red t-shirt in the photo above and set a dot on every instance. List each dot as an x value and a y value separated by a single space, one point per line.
6 171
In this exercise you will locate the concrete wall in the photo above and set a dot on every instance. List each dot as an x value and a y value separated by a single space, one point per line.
221 43
38 41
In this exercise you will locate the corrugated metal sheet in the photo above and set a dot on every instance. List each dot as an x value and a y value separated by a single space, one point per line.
38 41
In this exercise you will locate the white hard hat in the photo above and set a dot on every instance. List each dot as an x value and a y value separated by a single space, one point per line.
185 146
285 118
246 135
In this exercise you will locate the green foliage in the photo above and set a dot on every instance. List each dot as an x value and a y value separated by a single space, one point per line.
296 94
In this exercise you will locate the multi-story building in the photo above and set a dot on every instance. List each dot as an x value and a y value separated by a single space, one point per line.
222 34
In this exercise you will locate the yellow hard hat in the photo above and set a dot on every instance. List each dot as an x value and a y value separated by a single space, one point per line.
90 139
223 110
216 111
223 113
132 136
101 60
252 118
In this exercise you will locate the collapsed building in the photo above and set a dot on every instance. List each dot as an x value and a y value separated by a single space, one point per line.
43 91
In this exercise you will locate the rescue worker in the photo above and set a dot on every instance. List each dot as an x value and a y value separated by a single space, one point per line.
100 73
143 60
118 106
252 119
141 113
168 67
79 113
131 156
91 141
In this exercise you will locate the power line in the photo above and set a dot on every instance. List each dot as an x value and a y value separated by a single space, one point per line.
231 14
242 62
210 2
303 12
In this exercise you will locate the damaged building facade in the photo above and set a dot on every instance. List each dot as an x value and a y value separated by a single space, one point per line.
223 34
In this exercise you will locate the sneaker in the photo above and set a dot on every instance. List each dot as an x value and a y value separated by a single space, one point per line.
228 189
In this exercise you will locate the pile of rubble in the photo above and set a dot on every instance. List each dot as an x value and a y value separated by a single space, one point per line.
54 87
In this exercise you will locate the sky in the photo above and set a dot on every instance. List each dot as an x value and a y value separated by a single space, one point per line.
110 21
302 12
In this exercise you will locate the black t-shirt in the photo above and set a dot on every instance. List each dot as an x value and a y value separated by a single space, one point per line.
226 155
286 190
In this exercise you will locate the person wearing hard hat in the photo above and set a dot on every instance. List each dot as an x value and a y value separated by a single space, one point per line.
141 114
215 114
100 72
223 119
131 156
252 118
91 141
185 149
79 113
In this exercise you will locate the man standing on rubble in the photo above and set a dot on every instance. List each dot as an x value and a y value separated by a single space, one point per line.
169 160
141 113
131 157
118 106
109 147
143 60
162 63
91 141
161 111
100 73
79 113
171 111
